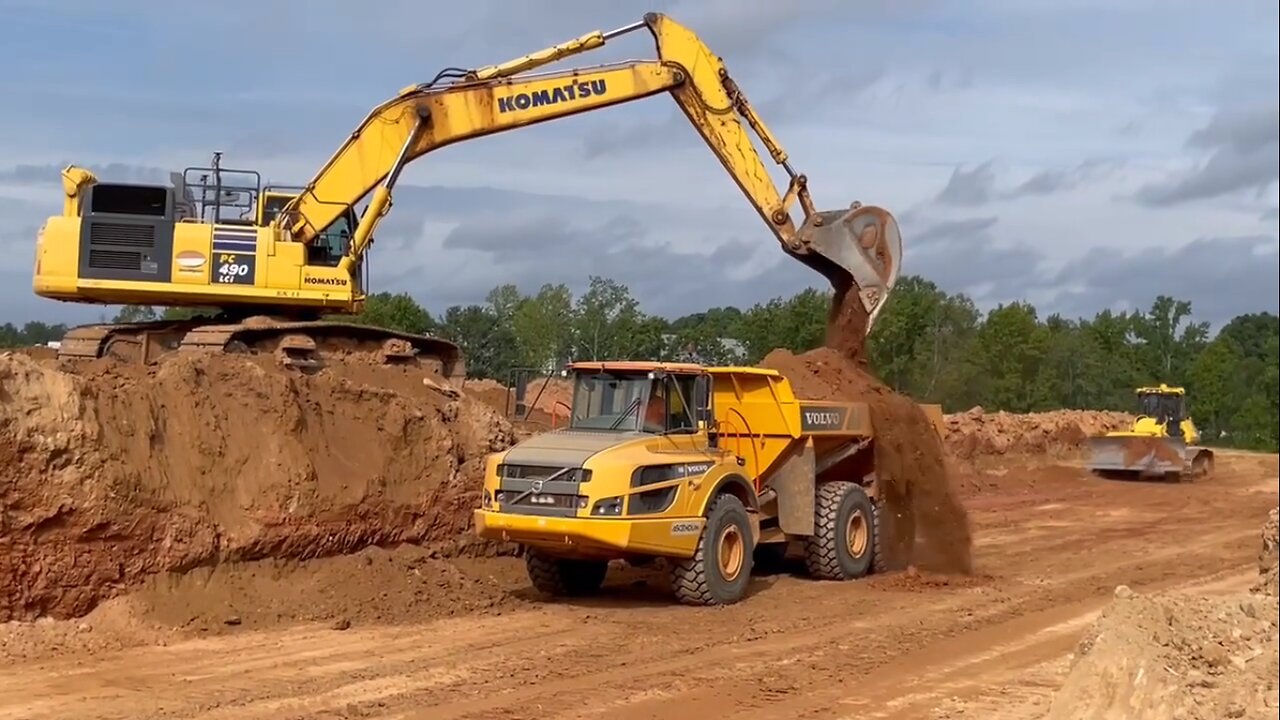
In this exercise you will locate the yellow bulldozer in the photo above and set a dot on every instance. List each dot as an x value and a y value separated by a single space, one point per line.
1161 441
275 262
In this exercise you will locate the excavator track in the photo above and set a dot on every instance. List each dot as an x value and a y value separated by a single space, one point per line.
305 344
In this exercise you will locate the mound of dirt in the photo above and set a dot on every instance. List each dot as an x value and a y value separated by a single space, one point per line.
976 433
114 472
1269 582
928 527
1176 656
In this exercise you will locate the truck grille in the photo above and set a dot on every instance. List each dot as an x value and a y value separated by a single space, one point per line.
542 472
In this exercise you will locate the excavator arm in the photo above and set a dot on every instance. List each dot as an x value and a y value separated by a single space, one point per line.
857 248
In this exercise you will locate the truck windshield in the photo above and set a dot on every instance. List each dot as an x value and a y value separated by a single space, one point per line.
609 401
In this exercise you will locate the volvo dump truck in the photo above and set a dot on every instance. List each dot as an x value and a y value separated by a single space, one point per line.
273 276
699 466
1162 441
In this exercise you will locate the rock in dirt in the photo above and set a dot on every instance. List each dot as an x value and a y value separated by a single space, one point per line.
114 472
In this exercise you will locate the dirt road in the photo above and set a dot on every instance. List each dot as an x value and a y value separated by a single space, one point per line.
1051 545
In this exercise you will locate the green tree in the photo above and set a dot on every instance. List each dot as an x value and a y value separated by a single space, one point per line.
488 345
135 313
798 323
1211 383
395 312
1012 345
543 327
608 324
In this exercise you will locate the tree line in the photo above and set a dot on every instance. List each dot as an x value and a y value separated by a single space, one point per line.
933 345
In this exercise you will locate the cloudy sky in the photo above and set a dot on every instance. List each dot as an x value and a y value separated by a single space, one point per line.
1076 153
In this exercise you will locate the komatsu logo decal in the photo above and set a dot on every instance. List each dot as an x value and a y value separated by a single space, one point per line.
553 96
310 280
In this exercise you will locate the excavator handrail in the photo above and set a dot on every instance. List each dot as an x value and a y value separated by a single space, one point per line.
460 105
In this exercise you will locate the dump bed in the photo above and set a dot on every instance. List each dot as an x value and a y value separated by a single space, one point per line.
760 418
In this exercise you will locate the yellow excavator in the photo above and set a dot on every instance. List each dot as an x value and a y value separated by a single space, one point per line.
1161 441
274 260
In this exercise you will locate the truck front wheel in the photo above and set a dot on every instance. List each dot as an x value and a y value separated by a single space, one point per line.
555 576
720 568
842 546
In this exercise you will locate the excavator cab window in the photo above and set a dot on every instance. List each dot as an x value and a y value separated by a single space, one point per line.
330 245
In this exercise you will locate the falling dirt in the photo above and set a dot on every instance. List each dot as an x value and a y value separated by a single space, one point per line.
847 321
114 472
927 526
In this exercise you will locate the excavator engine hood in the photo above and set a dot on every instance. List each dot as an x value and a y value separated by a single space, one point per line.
860 246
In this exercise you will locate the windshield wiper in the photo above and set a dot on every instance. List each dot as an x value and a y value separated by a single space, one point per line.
634 405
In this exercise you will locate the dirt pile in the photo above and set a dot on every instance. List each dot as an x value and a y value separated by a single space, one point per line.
976 433
1173 656
925 522
1268 580
114 472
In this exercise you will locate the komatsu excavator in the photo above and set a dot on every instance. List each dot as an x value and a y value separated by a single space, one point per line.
293 255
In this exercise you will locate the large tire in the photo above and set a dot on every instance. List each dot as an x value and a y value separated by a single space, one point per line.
720 569
564 577
880 520
842 546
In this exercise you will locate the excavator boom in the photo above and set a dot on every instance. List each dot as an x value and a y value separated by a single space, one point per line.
858 247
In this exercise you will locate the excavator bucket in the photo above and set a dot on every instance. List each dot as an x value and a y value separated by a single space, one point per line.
859 246
1141 456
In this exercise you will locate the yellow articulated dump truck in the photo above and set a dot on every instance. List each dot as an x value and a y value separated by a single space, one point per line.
696 465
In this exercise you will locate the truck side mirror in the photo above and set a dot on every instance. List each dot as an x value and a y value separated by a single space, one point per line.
703 414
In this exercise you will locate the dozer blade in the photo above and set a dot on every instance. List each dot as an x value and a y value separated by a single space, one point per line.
1137 455
860 245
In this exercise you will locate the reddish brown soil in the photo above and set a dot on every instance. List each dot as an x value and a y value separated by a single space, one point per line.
1052 544
114 472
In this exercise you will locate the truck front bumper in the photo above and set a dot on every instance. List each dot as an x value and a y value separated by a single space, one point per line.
671 537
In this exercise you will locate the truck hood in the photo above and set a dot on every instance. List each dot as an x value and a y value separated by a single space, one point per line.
566 448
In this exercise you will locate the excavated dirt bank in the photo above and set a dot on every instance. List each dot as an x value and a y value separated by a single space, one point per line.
1166 656
115 472
977 433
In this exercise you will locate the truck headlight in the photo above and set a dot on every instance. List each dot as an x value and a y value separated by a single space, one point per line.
607 507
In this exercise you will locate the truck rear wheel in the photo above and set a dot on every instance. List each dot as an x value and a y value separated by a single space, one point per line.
558 577
842 546
720 568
